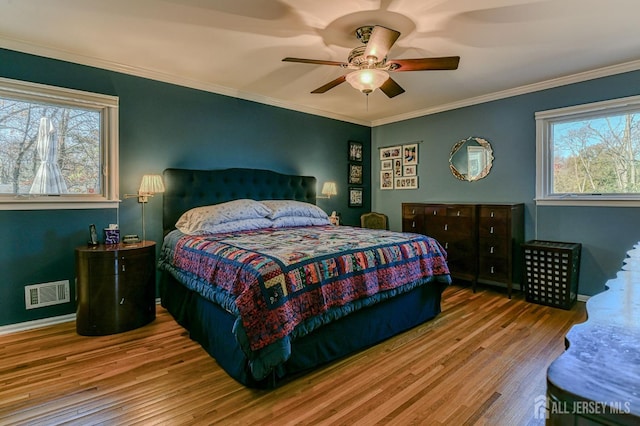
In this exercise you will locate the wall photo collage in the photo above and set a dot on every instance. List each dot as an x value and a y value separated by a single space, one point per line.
399 167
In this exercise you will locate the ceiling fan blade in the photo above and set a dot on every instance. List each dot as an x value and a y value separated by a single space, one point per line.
380 41
315 62
391 88
425 64
331 84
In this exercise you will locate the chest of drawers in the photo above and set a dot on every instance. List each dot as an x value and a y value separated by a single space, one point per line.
116 287
482 240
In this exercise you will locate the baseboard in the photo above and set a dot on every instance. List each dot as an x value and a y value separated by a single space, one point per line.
44 322
518 287
583 297
29 325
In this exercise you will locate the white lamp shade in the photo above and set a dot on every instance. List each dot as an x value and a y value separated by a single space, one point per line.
151 184
367 80
329 189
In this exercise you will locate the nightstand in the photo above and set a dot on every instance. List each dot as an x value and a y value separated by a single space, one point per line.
116 286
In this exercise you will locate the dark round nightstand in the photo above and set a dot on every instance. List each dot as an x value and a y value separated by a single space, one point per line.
115 288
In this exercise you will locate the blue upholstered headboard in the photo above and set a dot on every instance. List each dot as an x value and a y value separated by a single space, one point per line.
186 189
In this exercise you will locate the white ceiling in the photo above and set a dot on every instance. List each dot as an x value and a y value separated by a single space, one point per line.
235 47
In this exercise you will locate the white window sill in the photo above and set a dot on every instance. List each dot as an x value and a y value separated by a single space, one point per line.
72 204
588 201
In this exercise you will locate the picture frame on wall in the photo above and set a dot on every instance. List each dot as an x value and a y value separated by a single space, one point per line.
355 197
397 167
355 174
355 151
386 179
386 165
410 154
410 170
390 152
410 182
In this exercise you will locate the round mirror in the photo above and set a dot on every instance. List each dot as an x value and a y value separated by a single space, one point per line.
471 159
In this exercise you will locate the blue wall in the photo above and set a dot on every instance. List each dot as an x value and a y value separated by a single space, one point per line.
509 125
162 125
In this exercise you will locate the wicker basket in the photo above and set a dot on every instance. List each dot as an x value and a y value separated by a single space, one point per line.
551 272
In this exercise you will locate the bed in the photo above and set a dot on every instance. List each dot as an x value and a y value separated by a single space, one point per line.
286 296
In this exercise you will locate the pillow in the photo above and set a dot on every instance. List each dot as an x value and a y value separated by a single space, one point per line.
289 221
200 219
233 226
280 208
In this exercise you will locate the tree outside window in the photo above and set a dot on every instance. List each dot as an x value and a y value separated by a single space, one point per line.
56 145
597 155
589 153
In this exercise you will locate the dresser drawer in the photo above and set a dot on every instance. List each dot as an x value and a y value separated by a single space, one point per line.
461 211
444 227
493 268
412 225
412 210
435 210
498 247
117 264
493 227
494 212
457 247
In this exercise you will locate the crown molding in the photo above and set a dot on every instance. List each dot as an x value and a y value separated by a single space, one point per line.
529 88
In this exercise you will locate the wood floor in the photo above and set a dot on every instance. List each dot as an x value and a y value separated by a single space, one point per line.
482 361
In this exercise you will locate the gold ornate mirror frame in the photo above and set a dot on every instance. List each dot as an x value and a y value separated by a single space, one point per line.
471 159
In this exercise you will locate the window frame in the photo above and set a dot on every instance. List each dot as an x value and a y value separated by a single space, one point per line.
107 106
545 160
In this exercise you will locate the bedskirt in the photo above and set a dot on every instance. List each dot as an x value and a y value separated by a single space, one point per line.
211 326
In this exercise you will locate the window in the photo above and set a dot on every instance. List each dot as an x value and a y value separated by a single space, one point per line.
58 147
589 154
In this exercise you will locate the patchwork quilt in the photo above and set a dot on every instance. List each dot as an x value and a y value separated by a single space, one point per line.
280 282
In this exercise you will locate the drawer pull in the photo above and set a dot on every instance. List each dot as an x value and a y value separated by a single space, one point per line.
413 211
123 268
446 245
458 212
491 230
491 213
446 227
435 213
413 224
492 270
122 301
491 250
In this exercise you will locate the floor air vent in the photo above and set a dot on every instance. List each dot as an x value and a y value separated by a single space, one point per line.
46 294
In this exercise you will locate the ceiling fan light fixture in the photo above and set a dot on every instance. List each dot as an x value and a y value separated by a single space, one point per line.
367 80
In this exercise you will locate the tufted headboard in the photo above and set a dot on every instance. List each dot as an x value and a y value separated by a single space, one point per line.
186 189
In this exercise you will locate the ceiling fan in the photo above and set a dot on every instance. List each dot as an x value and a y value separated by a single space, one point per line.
370 64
